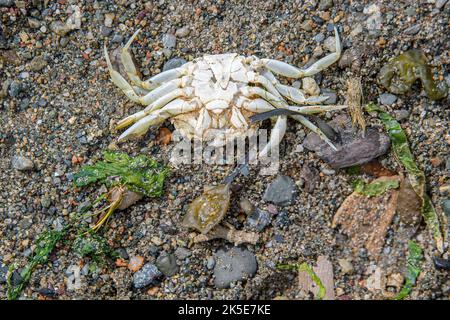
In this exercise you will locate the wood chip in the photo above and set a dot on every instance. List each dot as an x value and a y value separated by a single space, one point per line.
235 236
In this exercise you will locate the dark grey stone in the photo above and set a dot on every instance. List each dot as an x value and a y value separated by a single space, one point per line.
167 264
280 191
233 264
331 94
259 219
173 63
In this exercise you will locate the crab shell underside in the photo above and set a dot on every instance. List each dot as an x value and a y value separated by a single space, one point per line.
213 97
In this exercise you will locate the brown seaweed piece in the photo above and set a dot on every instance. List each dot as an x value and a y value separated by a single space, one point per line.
399 75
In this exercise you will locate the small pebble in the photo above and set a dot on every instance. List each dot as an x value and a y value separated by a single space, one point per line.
182 32
325 4
173 63
14 89
319 37
146 276
22 163
182 253
330 44
387 99
169 41
259 220
167 264
210 262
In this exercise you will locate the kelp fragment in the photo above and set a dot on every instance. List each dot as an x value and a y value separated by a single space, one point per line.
206 211
415 175
415 256
375 188
399 75
139 174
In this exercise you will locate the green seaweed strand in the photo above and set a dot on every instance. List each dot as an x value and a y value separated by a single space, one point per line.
375 188
415 175
415 256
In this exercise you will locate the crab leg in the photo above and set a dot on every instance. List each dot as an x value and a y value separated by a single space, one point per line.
175 107
164 89
162 77
291 93
157 104
140 91
128 63
297 96
317 109
119 80
276 135
259 79
257 105
277 102
313 128
289 71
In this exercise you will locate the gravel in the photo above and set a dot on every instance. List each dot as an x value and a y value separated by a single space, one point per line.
232 265
82 105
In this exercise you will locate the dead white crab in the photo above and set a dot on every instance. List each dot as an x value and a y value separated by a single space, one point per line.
212 97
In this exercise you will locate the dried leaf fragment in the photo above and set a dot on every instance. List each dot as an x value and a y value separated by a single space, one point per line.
366 219
164 136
